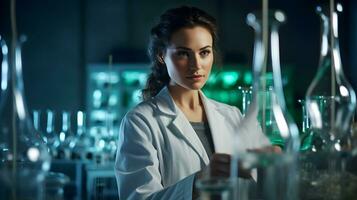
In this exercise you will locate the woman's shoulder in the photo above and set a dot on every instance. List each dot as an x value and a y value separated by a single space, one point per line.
143 108
223 106
226 109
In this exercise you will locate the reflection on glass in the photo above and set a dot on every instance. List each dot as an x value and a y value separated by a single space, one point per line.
306 136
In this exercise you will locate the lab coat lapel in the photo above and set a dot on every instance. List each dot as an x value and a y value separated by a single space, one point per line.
182 127
176 121
217 123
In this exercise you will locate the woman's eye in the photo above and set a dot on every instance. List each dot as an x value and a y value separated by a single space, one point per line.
205 53
182 54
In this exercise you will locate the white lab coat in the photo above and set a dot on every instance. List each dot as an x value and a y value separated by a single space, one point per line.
159 151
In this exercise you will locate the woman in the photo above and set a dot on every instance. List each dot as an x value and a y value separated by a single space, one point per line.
167 141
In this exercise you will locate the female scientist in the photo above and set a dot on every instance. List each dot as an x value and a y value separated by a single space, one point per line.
166 141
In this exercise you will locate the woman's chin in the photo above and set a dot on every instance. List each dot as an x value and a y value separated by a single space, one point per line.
196 86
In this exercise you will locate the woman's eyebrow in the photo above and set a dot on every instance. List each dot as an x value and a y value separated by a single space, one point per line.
188 49
206 47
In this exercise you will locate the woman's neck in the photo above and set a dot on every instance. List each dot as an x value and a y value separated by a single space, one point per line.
189 102
184 98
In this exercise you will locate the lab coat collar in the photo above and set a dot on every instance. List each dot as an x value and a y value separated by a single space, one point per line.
217 120
175 120
180 125
165 103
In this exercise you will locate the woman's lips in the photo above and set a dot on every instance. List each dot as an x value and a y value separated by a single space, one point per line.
195 77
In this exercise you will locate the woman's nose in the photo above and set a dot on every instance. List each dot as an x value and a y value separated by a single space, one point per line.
195 62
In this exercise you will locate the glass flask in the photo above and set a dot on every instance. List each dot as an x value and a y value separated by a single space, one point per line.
330 99
306 136
67 138
245 94
24 158
52 138
84 140
330 103
269 135
36 119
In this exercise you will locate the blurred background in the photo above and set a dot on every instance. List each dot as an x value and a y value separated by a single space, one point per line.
90 56
67 39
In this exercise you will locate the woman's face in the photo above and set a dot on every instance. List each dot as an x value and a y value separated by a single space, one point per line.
189 57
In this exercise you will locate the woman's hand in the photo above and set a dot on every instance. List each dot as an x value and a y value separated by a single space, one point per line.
220 163
220 166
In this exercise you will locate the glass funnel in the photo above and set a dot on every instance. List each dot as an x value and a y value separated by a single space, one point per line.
330 99
24 158
269 135
328 170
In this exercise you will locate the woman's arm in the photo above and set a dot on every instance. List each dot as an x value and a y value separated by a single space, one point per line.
137 165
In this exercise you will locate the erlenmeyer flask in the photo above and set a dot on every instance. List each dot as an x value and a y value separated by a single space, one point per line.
330 99
269 149
24 158
330 103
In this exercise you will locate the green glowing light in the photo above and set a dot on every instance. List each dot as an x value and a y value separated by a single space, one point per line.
229 78
248 78
212 79
134 77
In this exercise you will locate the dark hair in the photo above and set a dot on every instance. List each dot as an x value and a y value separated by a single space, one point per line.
171 21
